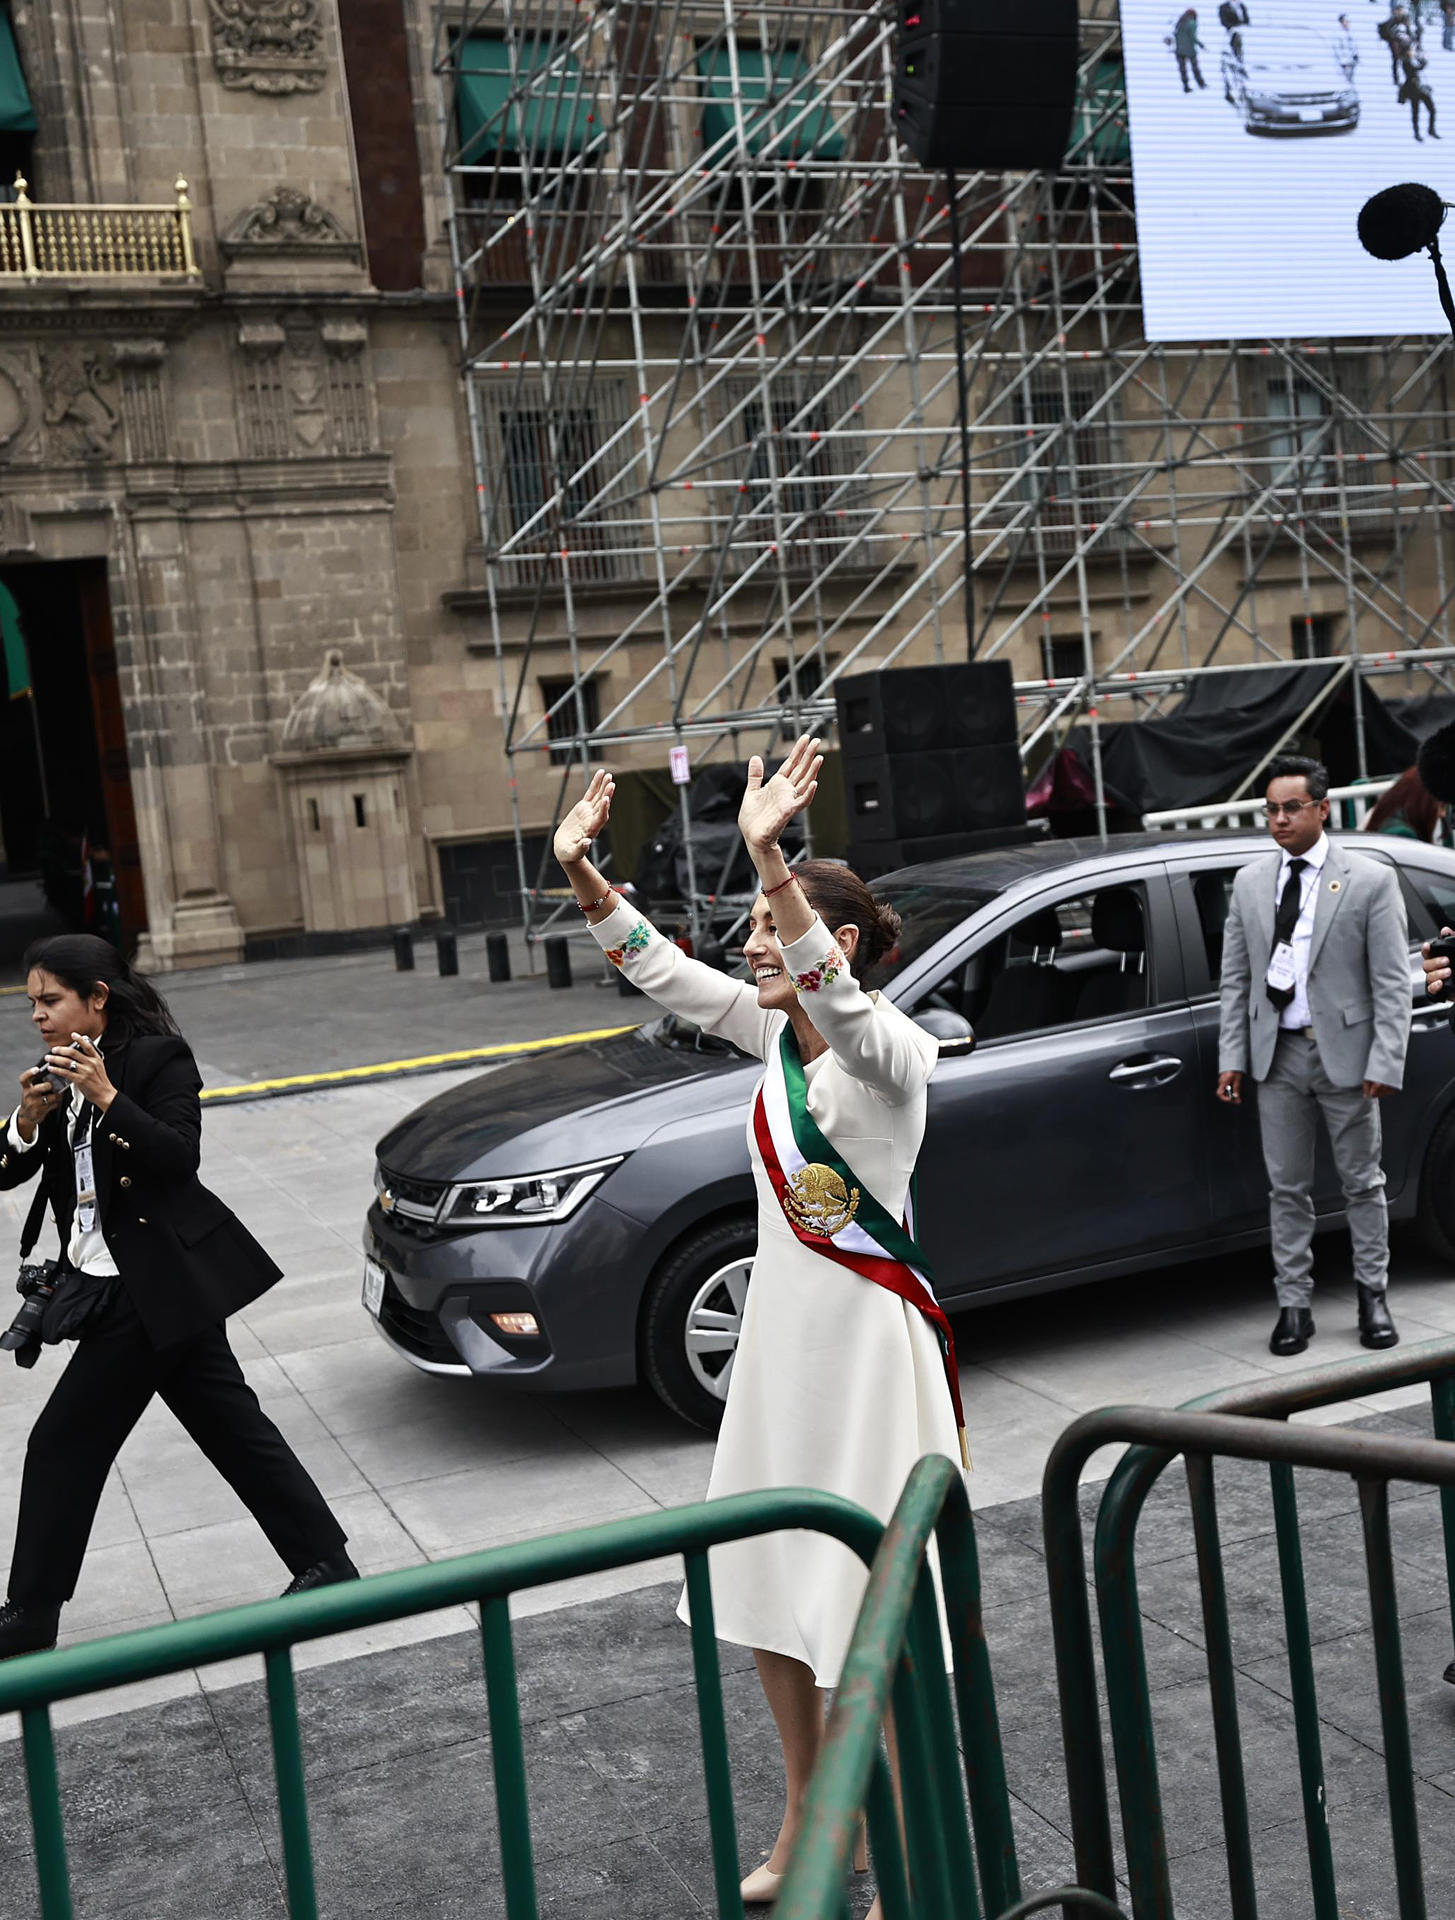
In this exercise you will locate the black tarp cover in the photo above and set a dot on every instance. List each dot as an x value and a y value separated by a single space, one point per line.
1205 748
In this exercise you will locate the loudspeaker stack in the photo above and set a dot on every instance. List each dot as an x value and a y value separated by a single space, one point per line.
986 83
931 764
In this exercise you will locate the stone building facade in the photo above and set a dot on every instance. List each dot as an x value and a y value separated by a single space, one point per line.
239 469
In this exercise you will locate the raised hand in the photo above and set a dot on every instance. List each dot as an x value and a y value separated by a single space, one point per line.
585 820
768 805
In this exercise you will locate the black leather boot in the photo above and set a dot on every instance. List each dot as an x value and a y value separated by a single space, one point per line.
27 1629
323 1573
1294 1331
1376 1329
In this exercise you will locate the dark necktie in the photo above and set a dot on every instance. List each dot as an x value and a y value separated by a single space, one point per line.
1290 905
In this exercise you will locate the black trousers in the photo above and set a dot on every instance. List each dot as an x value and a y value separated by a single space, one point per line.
97 1401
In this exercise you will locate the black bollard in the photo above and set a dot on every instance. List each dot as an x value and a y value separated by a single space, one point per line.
558 961
497 956
404 950
447 948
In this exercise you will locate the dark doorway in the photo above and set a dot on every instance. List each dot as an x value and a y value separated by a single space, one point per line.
65 781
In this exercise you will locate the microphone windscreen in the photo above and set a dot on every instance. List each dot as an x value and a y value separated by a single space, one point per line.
1400 221
1436 762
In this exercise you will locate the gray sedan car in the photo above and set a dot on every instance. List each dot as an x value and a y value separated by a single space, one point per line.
585 1218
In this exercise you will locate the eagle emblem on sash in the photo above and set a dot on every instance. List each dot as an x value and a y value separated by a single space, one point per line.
817 1201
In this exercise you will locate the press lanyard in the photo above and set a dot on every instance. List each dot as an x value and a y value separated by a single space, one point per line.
85 1174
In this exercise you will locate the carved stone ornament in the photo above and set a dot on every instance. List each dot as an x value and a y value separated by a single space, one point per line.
268 46
340 713
287 222
21 406
82 410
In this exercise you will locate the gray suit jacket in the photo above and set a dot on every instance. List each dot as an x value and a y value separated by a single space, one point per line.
1359 971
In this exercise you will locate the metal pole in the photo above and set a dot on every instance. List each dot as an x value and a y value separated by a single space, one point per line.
962 386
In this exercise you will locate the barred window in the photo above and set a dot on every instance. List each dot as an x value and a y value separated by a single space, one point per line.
801 451
556 484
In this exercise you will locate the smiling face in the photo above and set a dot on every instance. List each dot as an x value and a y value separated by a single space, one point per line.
765 956
58 1011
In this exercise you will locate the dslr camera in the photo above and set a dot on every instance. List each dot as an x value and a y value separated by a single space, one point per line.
37 1283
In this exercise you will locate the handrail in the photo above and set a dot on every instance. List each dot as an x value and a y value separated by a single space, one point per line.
1216 812
69 240
1242 1421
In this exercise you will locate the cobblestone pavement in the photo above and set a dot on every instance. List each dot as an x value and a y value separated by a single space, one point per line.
171 1814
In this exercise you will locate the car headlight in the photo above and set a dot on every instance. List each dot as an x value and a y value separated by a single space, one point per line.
533 1198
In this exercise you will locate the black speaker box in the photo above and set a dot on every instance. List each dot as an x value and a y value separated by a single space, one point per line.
870 858
913 796
917 709
985 83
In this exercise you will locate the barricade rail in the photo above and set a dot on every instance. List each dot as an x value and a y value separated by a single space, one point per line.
1351 808
1246 1423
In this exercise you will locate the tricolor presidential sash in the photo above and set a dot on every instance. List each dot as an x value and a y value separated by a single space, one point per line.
831 1210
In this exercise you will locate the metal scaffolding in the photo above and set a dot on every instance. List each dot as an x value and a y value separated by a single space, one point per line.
708 327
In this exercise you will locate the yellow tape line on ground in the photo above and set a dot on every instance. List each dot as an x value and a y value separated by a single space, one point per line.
341 1076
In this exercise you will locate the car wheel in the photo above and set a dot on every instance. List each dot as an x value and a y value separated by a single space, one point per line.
691 1319
1435 1212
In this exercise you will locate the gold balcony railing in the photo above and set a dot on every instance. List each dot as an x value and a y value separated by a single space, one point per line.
76 242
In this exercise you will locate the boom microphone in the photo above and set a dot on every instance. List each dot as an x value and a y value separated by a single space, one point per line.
1400 221
1403 220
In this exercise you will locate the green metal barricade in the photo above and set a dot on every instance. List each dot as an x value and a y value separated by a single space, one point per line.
31 1685
1247 1423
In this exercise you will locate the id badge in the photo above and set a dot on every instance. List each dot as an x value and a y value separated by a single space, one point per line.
85 1189
1281 973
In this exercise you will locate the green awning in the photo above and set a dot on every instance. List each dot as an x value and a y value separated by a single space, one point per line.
771 95
1103 106
555 116
12 646
17 115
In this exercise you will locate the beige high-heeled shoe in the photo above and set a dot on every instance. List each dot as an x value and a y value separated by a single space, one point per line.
762 1886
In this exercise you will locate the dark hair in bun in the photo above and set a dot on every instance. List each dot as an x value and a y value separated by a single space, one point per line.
840 899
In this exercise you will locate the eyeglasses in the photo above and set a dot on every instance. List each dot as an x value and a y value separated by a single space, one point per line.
1276 809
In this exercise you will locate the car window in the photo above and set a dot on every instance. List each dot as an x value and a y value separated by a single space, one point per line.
1433 904
1212 890
1085 957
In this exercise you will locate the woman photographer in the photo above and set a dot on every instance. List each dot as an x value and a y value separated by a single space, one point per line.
152 1264
844 1372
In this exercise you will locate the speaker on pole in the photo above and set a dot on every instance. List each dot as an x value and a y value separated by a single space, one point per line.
986 83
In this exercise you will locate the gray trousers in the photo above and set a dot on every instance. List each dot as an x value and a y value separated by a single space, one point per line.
1290 1101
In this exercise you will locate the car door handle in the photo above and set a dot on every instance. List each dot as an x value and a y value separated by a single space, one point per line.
1147 1070
1424 1019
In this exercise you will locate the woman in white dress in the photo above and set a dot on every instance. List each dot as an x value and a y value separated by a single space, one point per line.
844 1372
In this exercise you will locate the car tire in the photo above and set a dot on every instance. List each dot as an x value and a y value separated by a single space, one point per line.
1435 1208
698 1290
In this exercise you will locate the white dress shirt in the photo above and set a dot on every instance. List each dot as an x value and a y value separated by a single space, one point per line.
87 1252
1296 1013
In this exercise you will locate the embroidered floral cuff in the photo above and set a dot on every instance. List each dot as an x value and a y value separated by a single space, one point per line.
814 961
637 941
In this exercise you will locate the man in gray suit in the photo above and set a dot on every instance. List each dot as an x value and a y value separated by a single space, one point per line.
1316 1008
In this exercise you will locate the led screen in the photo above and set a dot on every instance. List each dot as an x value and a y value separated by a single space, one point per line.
1259 128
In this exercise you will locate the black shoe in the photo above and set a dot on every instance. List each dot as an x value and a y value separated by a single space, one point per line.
27 1629
1294 1331
1376 1329
323 1573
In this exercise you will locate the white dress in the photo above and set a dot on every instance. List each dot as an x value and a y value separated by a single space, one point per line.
838 1384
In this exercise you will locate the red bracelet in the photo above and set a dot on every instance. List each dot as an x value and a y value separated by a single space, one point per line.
768 895
590 906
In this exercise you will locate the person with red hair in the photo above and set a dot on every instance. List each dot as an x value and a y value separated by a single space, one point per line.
1408 808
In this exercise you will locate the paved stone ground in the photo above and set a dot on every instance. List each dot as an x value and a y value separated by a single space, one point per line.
277 1017
171 1815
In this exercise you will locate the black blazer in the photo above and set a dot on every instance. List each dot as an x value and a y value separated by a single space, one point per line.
185 1258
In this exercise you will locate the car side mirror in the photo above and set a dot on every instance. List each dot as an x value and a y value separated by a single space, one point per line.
952 1030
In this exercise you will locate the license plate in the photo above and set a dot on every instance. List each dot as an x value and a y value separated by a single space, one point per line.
373 1286
1310 113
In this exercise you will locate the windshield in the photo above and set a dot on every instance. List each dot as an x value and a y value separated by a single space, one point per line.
927 912
1286 56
